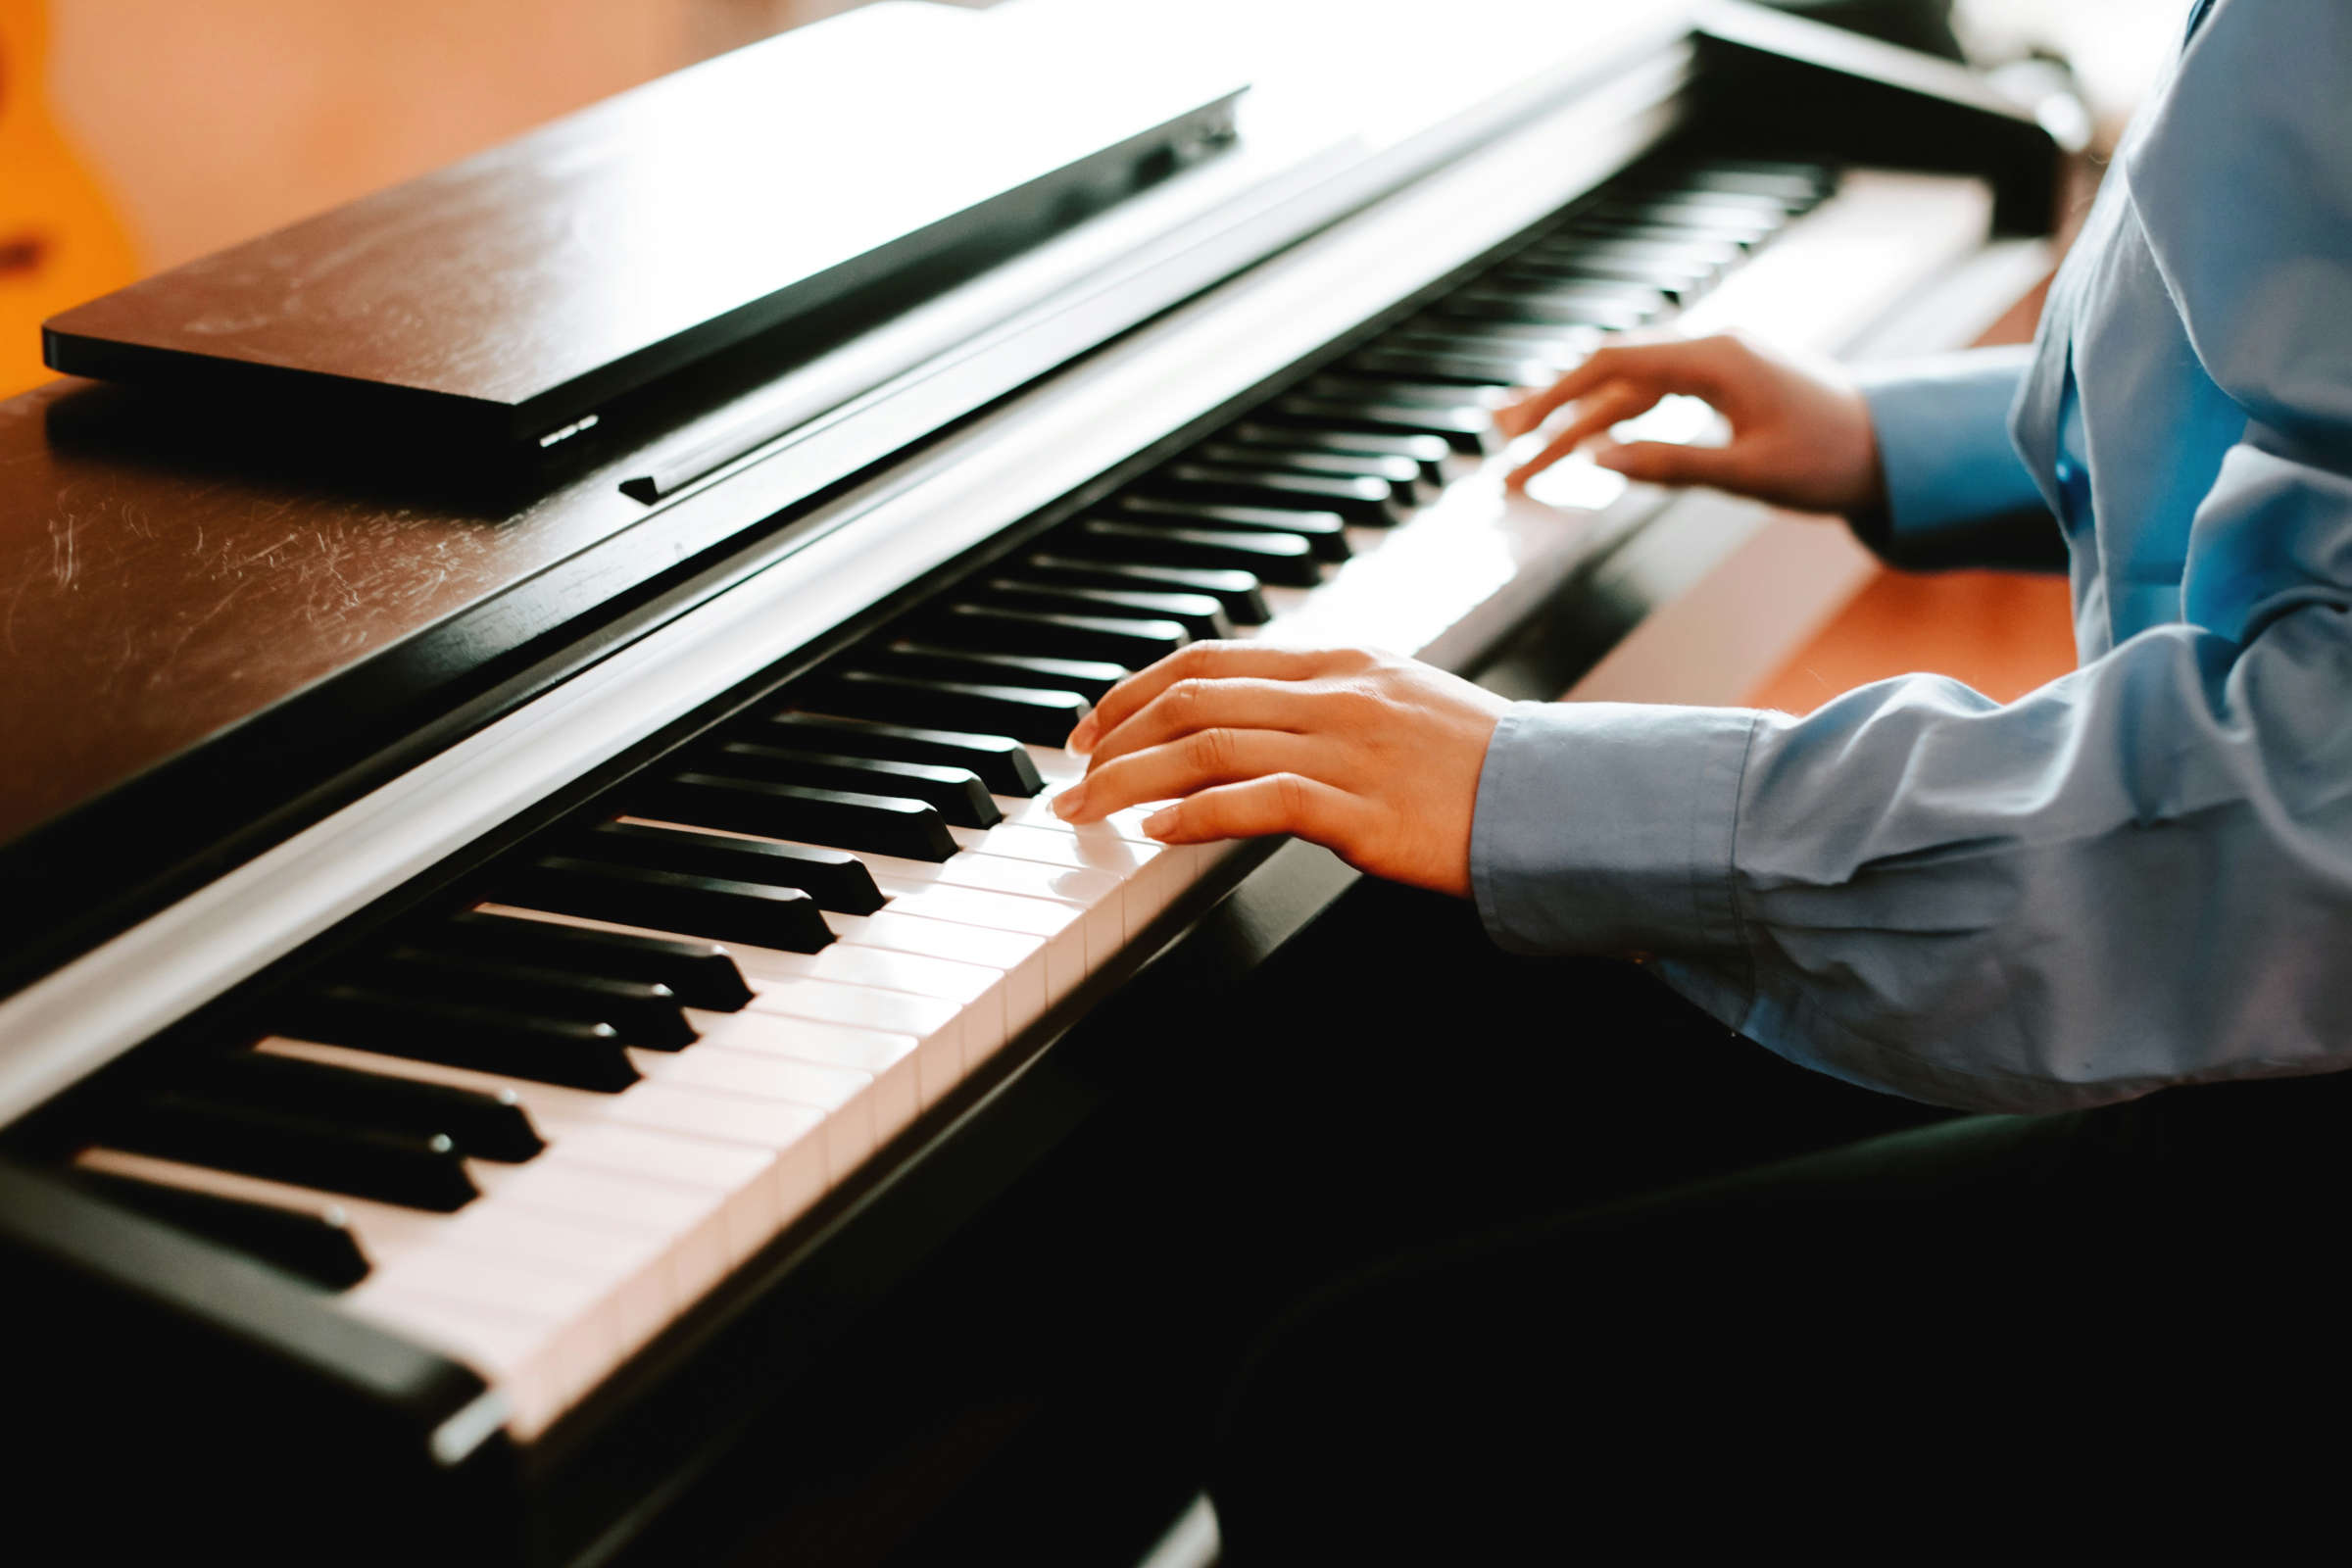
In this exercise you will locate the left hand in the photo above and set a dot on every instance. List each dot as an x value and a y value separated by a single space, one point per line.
1369 755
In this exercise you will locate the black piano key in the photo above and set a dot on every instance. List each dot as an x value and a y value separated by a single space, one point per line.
1285 559
1325 533
1002 765
1564 308
1024 712
1114 639
701 974
712 907
836 881
1714 220
1090 678
1199 614
643 1012
1425 451
1413 394
1709 259
1237 593
1359 500
316 1246
840 819
1610 229
1468 428
1798 187
513 1045
1402 475
1680 284
1497 339
1667 201
426 1173
956 792
482 1126
1468 369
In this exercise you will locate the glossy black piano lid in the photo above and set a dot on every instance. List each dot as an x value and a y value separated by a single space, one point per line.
508 296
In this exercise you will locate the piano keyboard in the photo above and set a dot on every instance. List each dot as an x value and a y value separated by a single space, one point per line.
535 1129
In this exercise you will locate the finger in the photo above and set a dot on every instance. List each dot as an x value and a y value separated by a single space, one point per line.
1196 761
1673 365
1201 660
1672 463
1279 802
1194 705
1612 404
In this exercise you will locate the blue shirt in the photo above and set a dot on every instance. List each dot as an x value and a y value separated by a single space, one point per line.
2140 874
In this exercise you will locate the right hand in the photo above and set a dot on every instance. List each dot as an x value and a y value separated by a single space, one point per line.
1799 438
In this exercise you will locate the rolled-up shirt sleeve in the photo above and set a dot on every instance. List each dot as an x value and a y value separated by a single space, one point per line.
1957 492
2140 874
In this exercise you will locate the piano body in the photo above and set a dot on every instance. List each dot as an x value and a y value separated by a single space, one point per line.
533 926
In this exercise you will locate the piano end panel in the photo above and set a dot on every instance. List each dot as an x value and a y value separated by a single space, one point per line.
192 1383
1774 82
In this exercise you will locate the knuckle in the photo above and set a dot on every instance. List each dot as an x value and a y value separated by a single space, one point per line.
1211 751
1358 707
1292 797
1186 662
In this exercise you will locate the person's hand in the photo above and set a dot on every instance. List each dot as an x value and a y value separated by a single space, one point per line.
1369 755
1799 438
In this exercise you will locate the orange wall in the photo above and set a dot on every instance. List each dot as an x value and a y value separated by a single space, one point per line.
210 120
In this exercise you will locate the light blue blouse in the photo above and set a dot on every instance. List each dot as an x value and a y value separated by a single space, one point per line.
2140 874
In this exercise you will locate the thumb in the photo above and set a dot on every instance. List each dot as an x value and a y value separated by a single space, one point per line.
1671 462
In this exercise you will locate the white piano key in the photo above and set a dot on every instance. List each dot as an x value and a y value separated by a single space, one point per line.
692 1222
1140 867
756 1198
1060 927
589 1296
1020 958
1099 896
938 1027
935 1025
507 1349
630 1264
889 1060
1181 865
577 1338
842 1099
746 1198
976 991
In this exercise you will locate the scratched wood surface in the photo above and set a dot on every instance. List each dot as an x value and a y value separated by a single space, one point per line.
157 586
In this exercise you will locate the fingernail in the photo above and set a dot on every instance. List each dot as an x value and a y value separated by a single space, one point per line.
1070 802
1159 822
1611 455
1082 738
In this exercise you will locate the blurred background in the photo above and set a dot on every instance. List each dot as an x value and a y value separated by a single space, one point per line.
207 122
138 135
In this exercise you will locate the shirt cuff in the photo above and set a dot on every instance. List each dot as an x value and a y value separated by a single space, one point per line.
1943 429
1607 828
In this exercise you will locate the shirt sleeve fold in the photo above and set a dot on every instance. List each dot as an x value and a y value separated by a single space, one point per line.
1957 492
1652 793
